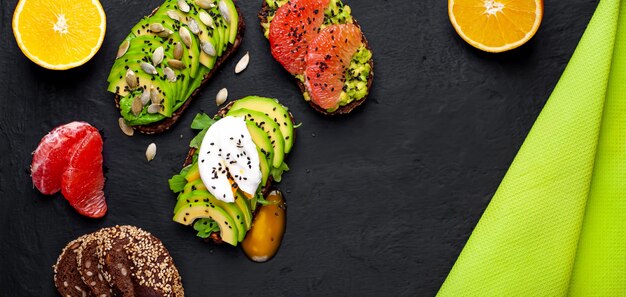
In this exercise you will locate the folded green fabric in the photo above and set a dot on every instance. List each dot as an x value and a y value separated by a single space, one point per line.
557 224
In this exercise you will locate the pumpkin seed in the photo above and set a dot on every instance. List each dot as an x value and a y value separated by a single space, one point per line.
243 63
145 97
155 97
165 33
137 106
154 108
148 68
121 51
169 74
183 6
193 26
127 129
205 4
221 97
178 51
185 36
156 28
176 64
151 152
208 48
131 79
157 56
224 11
207 19
173 15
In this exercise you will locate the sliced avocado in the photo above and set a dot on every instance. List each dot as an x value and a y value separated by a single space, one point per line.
219 30
264 164
261 139
138 54
225 29
189 197
196 184
206 34
272 109
269 126
187 214
142 30
234 18
242 203
193 173
192 54
231 209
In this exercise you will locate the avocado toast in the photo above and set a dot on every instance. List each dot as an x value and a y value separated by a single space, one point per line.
323 47
162 64
231 166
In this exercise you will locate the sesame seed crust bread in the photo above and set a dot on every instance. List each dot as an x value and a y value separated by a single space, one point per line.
66 277
215 236
139 264
263 15
166 124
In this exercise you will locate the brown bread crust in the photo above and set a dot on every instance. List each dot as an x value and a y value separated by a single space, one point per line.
264 13
166 124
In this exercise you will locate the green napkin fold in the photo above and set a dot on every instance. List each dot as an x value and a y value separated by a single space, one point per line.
557 224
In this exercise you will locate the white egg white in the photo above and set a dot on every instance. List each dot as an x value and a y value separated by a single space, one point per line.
228 150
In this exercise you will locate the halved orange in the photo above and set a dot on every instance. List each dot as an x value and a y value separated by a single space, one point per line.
59 34
496 25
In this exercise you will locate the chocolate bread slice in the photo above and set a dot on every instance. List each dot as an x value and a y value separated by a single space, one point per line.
66 277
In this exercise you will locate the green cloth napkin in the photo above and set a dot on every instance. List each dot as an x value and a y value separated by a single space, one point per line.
557 224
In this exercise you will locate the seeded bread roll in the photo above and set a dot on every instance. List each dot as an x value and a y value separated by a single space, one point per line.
66 277
139 264
89 267
263 15
166 124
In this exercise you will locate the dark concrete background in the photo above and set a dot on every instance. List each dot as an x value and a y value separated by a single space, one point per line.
381 201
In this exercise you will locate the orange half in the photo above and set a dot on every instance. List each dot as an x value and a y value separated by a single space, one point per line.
59 34
496 25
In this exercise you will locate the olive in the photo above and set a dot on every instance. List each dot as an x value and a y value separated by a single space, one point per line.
264 238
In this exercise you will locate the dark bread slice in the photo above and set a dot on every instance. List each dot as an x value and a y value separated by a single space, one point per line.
89 266
66 276
215 236
166 124
139 265
265 12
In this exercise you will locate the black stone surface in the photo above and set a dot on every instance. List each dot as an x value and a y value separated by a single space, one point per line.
381 201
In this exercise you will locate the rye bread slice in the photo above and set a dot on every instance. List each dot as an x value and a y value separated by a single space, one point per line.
166 124
139 265
263 15
215 236
89 268
66 277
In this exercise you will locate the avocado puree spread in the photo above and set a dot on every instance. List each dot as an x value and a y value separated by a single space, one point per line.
355 87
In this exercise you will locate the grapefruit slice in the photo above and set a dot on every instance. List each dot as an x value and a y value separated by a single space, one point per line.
293 26
83 180
328 58
50 157
69 159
